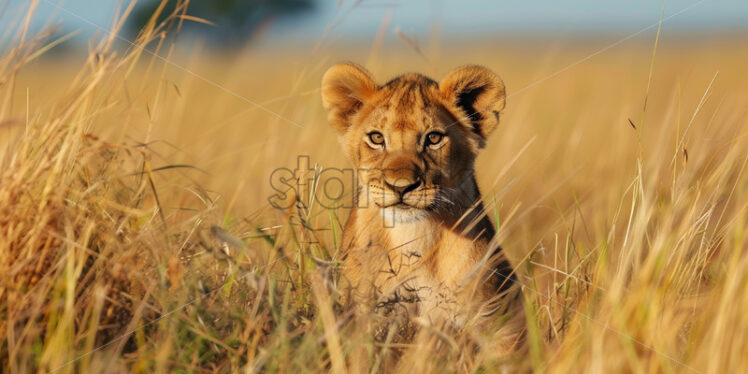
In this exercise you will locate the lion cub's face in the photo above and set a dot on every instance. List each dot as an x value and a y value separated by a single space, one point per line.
413 140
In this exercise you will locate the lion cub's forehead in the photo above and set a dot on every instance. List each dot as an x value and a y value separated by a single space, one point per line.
410 100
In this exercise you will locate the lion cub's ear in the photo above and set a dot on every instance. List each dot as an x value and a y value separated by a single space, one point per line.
345 88
477 92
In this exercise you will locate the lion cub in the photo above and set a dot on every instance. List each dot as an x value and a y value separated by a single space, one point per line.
418 242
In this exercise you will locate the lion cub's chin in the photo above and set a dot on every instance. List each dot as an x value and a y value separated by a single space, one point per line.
402 214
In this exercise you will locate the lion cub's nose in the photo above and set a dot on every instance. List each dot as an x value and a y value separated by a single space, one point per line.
402 181
404 187
402 173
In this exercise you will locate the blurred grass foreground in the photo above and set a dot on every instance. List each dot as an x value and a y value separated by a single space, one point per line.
136 233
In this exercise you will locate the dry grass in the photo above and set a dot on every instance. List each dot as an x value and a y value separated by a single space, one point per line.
135 233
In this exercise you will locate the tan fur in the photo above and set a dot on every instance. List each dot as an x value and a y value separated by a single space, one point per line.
418 244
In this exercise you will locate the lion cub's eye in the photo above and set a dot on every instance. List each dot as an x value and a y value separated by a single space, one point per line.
376 138
434 138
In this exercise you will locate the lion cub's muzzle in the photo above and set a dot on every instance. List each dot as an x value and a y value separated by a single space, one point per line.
403 184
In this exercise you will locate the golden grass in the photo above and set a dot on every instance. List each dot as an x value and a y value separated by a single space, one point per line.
136 234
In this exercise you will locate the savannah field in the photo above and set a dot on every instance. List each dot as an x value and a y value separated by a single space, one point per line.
136 233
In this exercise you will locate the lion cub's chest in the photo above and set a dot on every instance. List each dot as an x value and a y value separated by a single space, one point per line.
418 267
421 271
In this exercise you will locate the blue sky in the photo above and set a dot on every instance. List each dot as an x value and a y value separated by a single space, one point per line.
457 18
